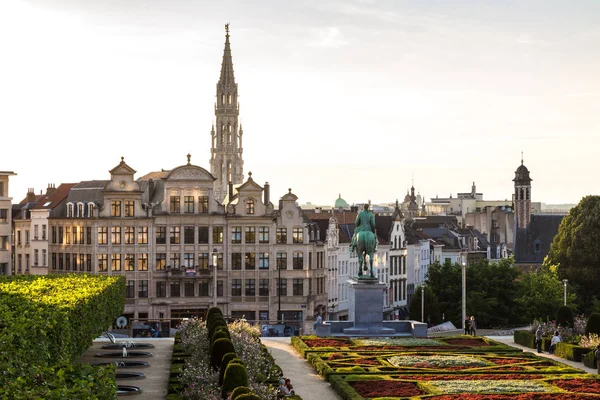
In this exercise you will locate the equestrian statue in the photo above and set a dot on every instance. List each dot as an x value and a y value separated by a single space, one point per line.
364 241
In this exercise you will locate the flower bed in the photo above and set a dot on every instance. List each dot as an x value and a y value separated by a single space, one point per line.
421 371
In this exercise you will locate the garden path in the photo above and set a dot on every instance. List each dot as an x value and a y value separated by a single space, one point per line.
307 383
509 340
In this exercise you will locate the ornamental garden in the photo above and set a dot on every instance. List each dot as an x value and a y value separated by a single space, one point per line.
443 368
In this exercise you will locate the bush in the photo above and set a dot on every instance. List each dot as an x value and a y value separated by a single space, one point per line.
217 335
525 338
219 349
571 351
215 323
235 376
240 390
564 316
224 363
589 360
593 324
213 310
248 396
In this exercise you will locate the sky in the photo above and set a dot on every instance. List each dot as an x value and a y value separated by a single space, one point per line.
359 98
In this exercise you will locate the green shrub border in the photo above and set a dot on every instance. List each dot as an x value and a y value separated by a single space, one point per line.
571 352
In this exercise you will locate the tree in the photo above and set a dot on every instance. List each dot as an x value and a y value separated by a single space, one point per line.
445 280
540 293
432 309
576 252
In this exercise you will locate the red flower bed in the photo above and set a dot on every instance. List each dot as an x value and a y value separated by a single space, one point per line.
490 377
579 385
335 356
365 361
467 342
512 396
505 361
382 388
325 342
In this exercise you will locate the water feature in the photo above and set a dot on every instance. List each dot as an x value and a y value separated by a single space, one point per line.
126 354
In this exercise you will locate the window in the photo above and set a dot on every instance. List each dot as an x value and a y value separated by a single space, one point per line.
220 288
44 257
174 204
69 210
161 235
115 208
250 261
67 235
298 287
88 262
203 288
59 235
4 243
115 262
27 261
130 210
263 260
250 207
75 235
90 210
143 262
81 235
88 234
102 235
236 261
281 260
263 287
203 204
217 234
236 235
188 234
298 235
220 261
188 260
188 204
298 261
115 235
129 262
203 235
236 287
35 232
203 260
129 235
250 287
143 235
36 256
53 260
143 288
250 235
130 290
281 235
174 235
80 210
161 289
282 287
102 262
175 289
189 287
54 234
175 260
161 261
3 215
263 234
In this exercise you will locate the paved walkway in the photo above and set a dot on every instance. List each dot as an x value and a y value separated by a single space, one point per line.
307 383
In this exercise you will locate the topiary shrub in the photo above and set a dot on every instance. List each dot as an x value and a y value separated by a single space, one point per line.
564 316
240 390
235 376
224 329
248 396
219 349
227 358
214 323
213 310
593 324
217 335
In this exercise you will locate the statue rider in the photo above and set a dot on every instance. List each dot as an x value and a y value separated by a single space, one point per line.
365 221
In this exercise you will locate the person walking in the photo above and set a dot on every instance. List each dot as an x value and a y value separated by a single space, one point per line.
467 325
538 338
473 326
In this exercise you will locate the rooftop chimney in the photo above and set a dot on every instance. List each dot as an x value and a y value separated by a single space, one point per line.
30 195
267 193
150 190
50 189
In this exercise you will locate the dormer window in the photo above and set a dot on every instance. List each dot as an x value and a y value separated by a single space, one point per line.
250 207
70 208
80 210
90 210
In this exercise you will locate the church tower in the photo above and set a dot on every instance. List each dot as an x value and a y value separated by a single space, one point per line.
226 163
522 196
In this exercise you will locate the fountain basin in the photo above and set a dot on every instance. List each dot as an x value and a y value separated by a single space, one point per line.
126 390
116 346
130 375
130 354
123 364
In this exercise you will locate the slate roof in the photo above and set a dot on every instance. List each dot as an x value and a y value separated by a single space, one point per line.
532 244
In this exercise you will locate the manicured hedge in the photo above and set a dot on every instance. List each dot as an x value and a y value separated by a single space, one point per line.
525 338
46 323
571 352
589 360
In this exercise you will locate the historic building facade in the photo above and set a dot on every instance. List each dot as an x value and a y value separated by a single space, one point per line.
6 265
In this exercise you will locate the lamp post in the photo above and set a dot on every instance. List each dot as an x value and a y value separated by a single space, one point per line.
423 303
279 291
565 286
214 260
464 294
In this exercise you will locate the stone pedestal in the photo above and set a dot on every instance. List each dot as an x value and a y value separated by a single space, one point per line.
366 308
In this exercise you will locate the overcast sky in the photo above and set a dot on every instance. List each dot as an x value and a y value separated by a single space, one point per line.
350 97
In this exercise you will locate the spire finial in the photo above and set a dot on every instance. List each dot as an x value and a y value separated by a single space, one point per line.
122 159
227 29
521 157
249 175
189 156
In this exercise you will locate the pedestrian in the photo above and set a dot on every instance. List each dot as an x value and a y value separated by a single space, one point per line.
473 326
538 338
319 321
555 340
467 325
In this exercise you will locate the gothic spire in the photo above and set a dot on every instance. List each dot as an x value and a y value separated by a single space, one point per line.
227 64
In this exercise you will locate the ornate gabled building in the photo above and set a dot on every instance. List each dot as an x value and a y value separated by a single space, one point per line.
226 163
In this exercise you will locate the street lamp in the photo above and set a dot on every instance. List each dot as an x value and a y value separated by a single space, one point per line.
565 285
279 291
464 294
214 260
423 303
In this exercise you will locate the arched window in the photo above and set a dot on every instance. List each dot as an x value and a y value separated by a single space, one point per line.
526 194
228 133
222 99
90 210
250 206
70 208
228 99
80 210
522 195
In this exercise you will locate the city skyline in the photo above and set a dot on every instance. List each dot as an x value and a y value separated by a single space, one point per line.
449 94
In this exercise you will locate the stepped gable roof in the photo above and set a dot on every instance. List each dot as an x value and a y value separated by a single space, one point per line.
533 243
